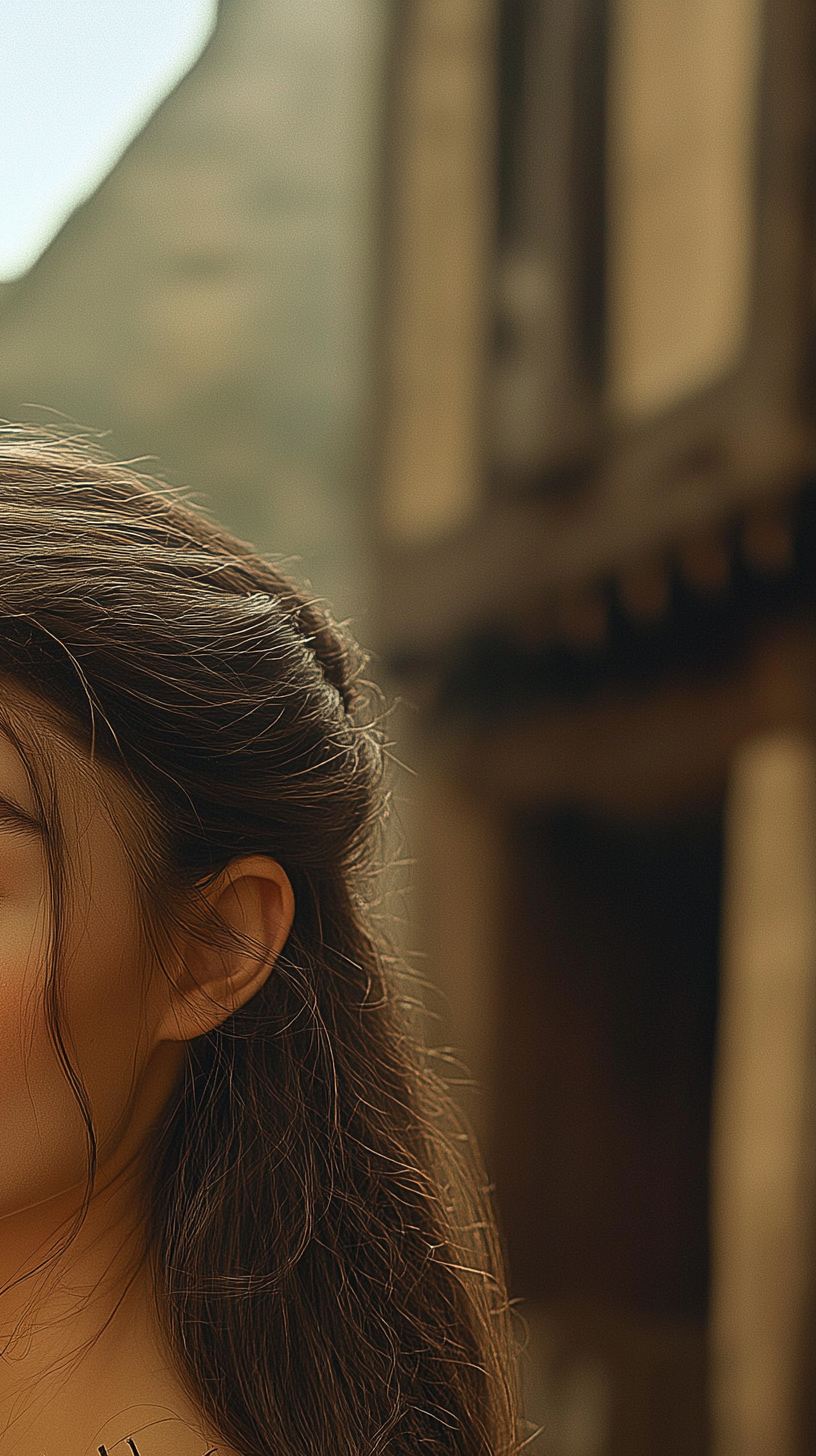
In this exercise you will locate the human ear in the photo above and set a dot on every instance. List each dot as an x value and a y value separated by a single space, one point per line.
248 913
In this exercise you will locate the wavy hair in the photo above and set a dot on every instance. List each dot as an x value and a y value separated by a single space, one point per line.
327 1270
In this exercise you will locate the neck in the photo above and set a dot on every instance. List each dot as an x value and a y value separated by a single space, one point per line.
75 1311
82 1359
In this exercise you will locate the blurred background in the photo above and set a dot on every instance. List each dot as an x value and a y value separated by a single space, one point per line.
496 319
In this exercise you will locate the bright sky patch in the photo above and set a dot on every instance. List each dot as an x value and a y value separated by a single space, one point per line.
78 80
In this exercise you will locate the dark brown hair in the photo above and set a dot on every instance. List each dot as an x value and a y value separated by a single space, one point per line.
326 1263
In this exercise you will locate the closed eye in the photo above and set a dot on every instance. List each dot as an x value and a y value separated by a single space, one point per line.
16 819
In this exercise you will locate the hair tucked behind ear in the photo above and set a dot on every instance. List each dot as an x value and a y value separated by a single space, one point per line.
326 1263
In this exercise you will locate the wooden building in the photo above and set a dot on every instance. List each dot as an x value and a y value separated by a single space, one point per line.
597 554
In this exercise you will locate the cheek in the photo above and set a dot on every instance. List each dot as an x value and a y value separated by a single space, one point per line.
43 1143
42 1140
105 1008
105 1004
43 1147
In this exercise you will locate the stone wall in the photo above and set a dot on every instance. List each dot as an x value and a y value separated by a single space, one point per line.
209 305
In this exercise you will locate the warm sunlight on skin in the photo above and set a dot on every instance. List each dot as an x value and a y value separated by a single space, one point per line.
81 1359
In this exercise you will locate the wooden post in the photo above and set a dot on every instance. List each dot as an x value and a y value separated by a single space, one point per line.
461 846
762 1172
440 268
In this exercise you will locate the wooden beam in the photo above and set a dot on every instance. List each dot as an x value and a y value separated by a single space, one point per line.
648 751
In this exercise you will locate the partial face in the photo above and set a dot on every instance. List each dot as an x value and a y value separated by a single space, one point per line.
112 1001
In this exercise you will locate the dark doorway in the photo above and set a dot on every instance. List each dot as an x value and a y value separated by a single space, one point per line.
608 1022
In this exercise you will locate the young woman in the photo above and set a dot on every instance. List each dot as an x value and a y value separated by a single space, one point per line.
235 1213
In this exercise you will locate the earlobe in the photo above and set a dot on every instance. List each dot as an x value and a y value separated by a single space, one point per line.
248 913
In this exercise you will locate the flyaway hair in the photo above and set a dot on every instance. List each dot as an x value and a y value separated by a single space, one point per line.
325 1257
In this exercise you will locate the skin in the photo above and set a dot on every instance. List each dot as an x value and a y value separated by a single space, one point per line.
82 1363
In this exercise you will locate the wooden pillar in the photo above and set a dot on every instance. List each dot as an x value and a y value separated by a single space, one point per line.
461 849
762 1172
440 267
